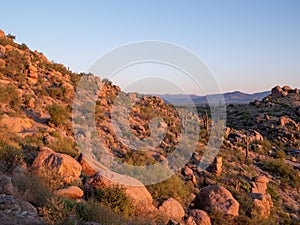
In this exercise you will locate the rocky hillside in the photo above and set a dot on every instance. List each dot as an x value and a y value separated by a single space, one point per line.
45 179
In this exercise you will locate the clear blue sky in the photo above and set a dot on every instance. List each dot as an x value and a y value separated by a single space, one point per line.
250 45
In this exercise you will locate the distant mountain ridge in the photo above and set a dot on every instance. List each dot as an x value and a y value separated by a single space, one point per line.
235 97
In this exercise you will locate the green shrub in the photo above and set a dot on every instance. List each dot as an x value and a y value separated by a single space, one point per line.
273 191
116 199
280 154
56 212
58 115
23 47
32 189
64 145
173 187
218 218
289 176
9 95
246 186
56 93
10 158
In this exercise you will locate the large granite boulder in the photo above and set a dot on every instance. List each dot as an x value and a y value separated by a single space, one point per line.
217 198
172 210
50 163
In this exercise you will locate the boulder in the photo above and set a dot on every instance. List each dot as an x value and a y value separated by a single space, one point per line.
218 198
70 192
277 92
172 210
259 184
287 88
48 161
198 217
188 171
137 192
6 186
262 204
16 124
87 169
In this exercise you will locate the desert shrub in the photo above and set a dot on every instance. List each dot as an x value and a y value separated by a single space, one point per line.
116 199
52 179
279 167
139 158
266 144
23 47
218 218
280 154
61 211
9 95
250 221
10 158
173 187
7 41
64 145
56 93
32 189
75 78
273 191
15 65
246 186
30 146
56 212
58 115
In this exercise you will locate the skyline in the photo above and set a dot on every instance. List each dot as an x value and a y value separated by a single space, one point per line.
249 46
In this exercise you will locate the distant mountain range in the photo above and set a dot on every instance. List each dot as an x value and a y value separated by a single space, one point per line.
235 97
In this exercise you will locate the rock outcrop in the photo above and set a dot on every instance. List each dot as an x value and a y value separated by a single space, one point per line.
32 74
217 198
262 204
259 184
49 161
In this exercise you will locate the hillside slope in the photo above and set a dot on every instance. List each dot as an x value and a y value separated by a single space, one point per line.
46 179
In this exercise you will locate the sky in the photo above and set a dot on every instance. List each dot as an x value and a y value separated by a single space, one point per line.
249 46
